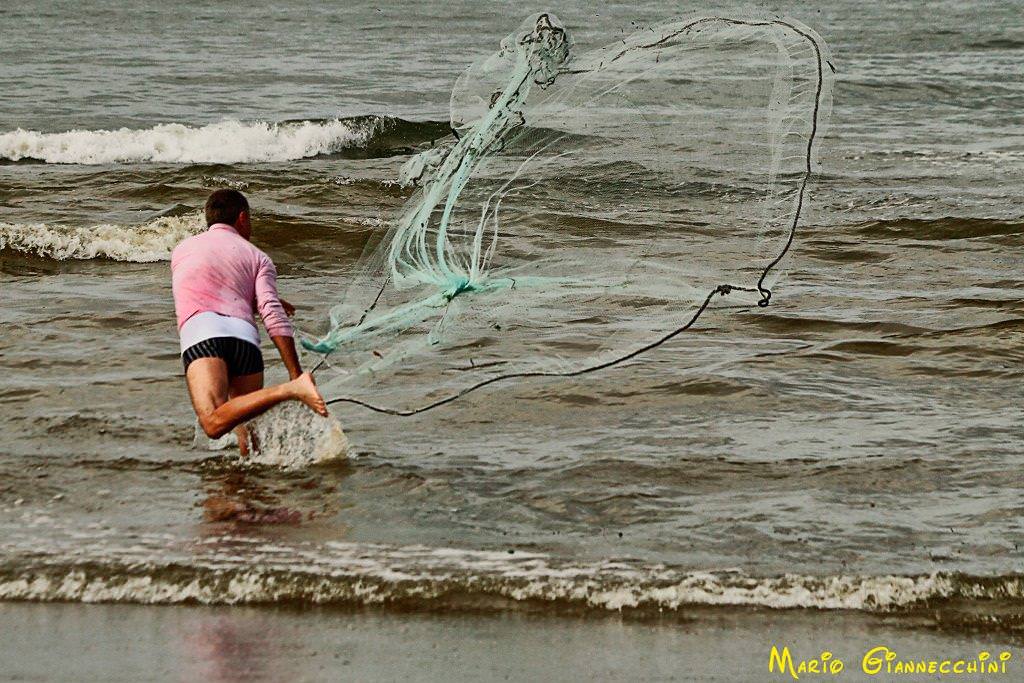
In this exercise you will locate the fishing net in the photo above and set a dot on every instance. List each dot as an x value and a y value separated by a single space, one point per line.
591 206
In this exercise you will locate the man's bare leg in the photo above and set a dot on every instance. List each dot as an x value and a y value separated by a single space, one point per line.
240 386
218 413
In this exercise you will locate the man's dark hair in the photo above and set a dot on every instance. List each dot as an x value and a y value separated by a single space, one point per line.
223 206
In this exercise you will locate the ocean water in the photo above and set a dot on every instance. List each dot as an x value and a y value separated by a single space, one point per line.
869 456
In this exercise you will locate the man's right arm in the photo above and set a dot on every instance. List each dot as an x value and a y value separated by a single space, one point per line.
275 319
289 355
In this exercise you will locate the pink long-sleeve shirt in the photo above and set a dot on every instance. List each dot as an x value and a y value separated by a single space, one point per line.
219 270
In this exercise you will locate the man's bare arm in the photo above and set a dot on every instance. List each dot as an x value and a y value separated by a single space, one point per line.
289 356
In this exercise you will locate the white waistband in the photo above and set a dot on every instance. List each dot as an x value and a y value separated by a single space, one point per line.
208 324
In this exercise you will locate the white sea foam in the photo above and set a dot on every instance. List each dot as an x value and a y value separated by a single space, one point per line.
368 582
237 570
225 142
149 242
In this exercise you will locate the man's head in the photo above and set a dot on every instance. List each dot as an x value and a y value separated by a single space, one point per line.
231 207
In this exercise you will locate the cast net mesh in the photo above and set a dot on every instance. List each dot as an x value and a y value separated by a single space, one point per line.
590 206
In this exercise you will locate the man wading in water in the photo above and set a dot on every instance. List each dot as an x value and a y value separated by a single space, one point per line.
219 281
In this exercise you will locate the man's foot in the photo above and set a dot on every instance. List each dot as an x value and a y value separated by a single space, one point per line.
304 388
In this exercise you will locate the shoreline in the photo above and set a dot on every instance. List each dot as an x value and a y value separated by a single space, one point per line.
75 642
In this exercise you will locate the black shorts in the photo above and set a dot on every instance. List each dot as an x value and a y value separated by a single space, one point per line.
242 357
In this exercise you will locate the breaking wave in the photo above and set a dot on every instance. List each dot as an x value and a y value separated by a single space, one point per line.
146 243
224 142
233 570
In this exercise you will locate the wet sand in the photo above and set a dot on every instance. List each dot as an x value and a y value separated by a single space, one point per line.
75 642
